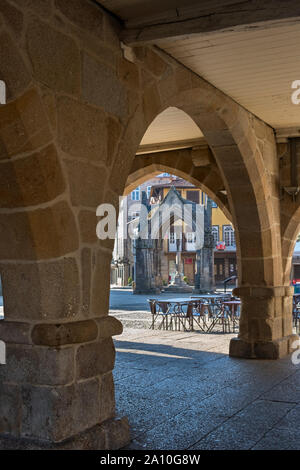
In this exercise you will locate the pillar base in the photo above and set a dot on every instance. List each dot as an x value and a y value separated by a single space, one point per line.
112 434
275 349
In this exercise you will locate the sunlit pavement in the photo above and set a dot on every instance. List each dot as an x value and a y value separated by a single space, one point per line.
182 391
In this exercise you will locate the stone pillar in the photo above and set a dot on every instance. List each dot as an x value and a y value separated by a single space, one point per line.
198 272
57 387
205 257
266 323
143 267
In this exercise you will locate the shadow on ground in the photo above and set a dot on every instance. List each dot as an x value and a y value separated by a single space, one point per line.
180 391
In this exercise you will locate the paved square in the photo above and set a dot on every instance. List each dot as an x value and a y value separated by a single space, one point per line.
182 391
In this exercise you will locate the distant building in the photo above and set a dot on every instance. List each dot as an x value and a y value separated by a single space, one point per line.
156 190
295 273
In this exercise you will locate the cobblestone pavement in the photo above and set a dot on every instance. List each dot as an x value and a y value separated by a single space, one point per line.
182 391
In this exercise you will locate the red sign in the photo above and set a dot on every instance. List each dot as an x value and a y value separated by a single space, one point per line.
220 246
188 260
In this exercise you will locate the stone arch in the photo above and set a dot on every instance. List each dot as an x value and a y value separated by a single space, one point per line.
77 120
206 179
245 152
290 232
289 204
242 146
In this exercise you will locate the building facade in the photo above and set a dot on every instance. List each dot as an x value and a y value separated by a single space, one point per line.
156 190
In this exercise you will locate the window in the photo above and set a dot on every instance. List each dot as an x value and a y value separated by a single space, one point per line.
215 233
190 237
135 195
172 237
148 191
228 235
193 196
214 205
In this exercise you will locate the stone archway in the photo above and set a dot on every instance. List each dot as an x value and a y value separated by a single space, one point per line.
245 151
77 111
182 163
289 236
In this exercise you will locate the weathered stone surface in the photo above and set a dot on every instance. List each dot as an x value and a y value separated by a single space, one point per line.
55 58
81 130
56 413
100 296
12 16
15 332
10 409
201 156
49 102
240 348
109 326
38 365
113 433
41 7
262 349
259 307
88 222
112 29
107 397
287 325
151 104
85 15
12 68
64 333
117 433
129 74
95 358
151 60
31 180
42 233
114 130
101 87
41 291
86 183
86 270
23 125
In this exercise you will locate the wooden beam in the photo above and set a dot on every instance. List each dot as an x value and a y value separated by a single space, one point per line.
242 15
165 146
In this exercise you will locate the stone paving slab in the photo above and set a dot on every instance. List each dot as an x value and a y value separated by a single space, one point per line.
181 390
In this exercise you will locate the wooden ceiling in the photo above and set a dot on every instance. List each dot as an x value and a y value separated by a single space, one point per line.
254 64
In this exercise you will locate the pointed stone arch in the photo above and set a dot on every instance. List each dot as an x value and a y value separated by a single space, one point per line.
180 163
245 152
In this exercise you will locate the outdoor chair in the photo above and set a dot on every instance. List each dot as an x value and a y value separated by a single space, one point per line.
152 304
163 311
180 315
199 315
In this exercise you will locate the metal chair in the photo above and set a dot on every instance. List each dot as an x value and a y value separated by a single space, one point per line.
163 312
179 316
152 304
199 314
